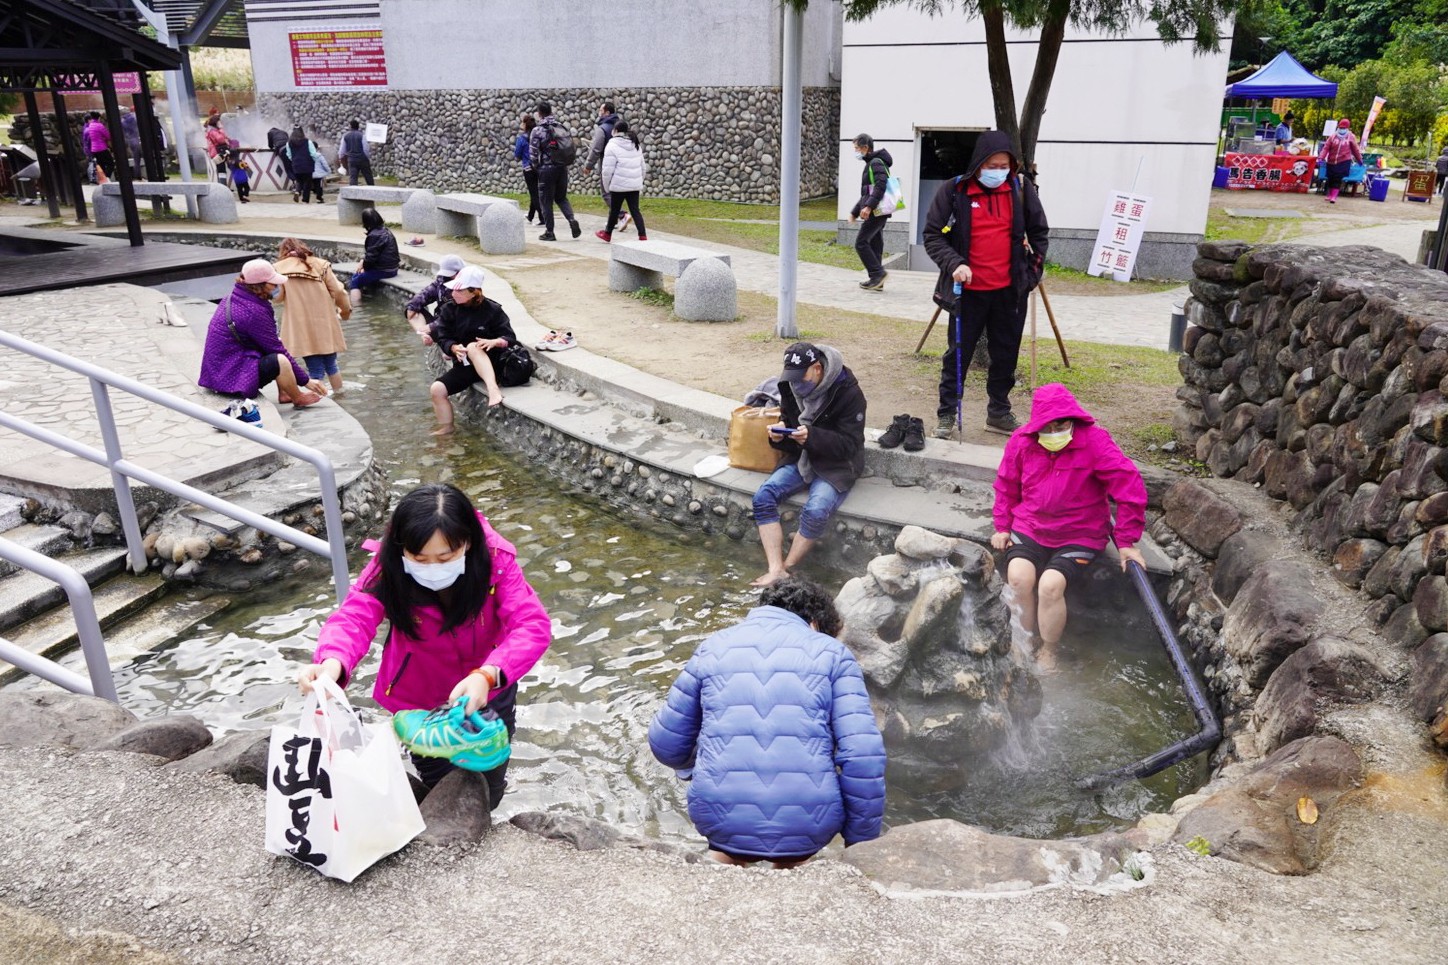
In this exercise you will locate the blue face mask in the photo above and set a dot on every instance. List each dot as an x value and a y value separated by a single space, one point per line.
803 387
993 177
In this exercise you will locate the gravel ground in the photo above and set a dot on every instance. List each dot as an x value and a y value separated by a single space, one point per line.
110 859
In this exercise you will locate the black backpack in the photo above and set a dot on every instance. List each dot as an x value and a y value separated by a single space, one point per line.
559 146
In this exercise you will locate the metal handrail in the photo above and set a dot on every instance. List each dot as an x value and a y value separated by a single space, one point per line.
123 470
87 627
1209 729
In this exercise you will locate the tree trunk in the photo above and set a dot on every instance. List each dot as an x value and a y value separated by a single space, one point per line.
1002 88
1048 51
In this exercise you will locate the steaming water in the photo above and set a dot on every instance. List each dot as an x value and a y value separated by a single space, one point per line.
630 601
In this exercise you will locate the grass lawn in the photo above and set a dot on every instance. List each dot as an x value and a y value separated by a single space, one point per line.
1224 227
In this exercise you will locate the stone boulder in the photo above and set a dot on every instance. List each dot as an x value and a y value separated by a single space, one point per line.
241 756
1274 614
170 738
457 811
1200 517
1239 556
706 292
948 857
1428 677
586 834
1255 822
60 720
502 230
1329 670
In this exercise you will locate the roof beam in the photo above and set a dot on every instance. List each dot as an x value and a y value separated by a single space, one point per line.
205 21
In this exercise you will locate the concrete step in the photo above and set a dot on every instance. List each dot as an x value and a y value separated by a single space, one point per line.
10 507
25 594
47 540
54 630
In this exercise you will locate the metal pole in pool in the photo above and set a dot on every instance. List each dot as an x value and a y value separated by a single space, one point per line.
791 105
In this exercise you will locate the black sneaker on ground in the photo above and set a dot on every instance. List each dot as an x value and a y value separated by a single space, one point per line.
874 284
895 435
576 230
944 426
547 236
915 436
1004 424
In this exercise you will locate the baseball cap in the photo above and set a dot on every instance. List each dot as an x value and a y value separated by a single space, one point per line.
797 360
469 276
451 265
259 271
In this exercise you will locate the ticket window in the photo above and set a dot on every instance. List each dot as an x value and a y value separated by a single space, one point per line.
942 155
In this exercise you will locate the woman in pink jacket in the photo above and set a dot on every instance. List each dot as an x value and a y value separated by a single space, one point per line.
1057 478
463 620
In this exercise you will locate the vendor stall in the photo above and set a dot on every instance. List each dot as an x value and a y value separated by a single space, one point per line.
1254 165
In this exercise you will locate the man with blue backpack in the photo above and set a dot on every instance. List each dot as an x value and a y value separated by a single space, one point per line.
987 231
870 240
552 148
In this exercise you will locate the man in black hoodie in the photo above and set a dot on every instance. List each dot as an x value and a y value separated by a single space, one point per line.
821 441
987 231
869 241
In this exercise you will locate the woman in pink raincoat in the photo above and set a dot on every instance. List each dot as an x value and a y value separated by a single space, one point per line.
1053 493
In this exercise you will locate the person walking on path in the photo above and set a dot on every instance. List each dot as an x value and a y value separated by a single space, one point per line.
821 443
242 351
551 149
530 173
622 174
304 160
987 232
608 120
463 620
379 256
353 153
1338 153
218 145
1054 490
97 138
131 131
870 241
473 331
1442 168
771 725
436 291
312 299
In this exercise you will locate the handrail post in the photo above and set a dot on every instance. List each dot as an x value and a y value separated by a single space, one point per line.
332 514
125 503
88 628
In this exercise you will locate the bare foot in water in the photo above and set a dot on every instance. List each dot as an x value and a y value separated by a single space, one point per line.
446 430
770 578
495 398
1046 658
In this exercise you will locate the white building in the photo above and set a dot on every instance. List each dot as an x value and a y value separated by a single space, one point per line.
920 87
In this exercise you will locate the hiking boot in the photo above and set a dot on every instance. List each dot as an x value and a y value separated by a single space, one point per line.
547 236
474 742
895 435
1003 424
603 235
915 436
944 426
573 226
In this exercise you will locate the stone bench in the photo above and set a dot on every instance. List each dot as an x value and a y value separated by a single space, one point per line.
214 204
706 291
419 205
495 222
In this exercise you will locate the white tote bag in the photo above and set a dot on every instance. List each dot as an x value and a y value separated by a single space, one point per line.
337 796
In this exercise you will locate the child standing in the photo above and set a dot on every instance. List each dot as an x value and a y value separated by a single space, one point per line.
241 179
623 178
463 620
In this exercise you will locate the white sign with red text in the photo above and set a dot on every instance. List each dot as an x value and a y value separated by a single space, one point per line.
1119 238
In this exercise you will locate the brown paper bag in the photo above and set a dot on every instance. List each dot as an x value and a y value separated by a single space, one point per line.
749 438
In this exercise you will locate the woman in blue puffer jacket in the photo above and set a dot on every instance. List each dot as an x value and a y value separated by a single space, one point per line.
771 722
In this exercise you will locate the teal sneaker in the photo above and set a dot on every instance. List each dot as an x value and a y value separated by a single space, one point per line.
474 742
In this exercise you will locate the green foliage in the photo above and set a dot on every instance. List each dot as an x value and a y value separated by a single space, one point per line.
1346 32
9 103
1199 845
1416 93
653 296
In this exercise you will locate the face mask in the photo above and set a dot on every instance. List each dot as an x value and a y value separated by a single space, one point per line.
436 576
1054 441
859 156
993 177
803 388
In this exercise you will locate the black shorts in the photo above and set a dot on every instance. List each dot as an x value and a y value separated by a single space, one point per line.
755 857
459 377
268 367
1068 560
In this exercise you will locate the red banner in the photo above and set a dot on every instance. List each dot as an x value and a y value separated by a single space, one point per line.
1270 172
339 58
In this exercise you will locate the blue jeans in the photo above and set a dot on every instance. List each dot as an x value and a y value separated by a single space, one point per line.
784 482
369 277
321 366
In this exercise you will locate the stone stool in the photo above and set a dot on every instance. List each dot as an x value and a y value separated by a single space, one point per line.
501 230
706 292
217 206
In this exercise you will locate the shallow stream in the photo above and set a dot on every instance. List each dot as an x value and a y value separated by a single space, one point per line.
630 600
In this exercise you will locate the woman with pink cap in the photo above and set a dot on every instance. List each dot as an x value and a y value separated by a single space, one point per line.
243 351
1338 153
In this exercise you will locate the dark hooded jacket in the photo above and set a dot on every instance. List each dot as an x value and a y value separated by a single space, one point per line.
836 441
947 223
876 170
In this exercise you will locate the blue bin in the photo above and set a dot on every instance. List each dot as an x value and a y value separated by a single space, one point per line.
1377 189
1219 180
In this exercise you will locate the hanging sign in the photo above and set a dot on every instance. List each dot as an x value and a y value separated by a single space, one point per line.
376 133
1269 172
338 58
1119 238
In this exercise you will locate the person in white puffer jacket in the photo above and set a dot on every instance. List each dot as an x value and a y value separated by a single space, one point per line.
623 173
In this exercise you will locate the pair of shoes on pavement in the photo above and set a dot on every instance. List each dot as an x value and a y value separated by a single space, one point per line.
557 342
875 284
906 429
1003 424
474 742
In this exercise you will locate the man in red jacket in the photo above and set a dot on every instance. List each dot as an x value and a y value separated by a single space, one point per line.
1058 477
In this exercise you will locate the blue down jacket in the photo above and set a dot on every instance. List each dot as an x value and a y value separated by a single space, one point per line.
774 720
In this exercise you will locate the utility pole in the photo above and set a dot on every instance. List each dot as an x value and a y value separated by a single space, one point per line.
791 102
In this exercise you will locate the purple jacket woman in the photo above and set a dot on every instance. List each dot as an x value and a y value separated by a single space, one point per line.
229 361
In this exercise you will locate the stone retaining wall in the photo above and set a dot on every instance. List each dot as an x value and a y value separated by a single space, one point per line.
716 143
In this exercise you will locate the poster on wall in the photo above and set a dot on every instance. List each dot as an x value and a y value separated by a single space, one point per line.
1269 172
376 133
338 58
1119 237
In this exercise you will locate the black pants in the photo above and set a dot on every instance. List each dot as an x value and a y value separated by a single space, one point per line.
433 769
359 165
106 162
243 190
1000 315
870 245
553 189
615 205
530 178
304 186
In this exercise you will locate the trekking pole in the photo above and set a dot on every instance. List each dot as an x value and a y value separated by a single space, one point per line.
959 368
1033 341
928 329
1051 316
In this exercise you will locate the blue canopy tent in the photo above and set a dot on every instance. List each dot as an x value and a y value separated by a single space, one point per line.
1283 77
